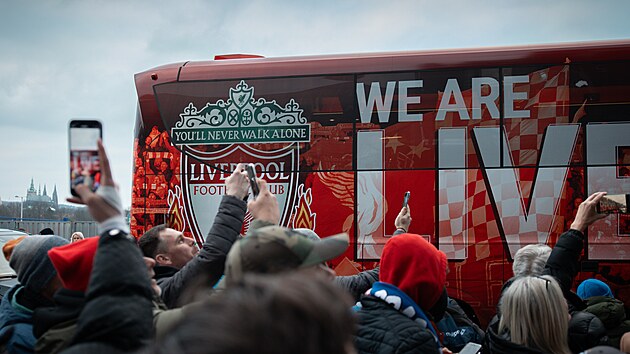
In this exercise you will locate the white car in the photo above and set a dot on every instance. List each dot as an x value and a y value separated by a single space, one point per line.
8 278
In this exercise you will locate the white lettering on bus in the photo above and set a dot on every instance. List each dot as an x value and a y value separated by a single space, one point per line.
520 223
452 90
219 189
383 104
404 101
270 171
383 107
489 100
509 96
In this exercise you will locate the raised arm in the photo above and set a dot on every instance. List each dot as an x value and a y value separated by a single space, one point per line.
117 313
563 262
210 261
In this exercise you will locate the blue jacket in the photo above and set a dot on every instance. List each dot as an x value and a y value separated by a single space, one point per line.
16 324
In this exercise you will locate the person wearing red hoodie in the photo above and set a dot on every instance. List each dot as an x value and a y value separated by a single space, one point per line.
396 315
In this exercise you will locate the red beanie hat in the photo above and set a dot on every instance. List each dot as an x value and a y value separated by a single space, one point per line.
416 267
73 263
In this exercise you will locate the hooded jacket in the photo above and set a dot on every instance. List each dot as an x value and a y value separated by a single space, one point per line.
383 329
418 269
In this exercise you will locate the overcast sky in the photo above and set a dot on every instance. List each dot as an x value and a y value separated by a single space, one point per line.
76 59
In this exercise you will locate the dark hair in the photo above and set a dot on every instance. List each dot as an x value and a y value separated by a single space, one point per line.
47 231
287 313
149 242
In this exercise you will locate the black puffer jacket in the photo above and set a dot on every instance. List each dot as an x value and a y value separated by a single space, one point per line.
496 343
585 332
383 329
210 261
613 314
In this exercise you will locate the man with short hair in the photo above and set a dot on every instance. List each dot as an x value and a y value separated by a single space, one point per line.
179 261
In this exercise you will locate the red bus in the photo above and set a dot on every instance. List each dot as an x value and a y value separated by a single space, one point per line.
498 147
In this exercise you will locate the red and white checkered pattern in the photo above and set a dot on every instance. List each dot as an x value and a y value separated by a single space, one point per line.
548 103
522 226
452 210
548 93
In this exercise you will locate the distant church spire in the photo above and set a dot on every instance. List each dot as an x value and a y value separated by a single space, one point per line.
45 193
54 197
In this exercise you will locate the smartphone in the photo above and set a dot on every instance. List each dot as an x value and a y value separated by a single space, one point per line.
251 175
470 348
613 203
406 199
85 167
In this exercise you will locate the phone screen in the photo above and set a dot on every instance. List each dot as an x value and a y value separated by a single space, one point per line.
84 161
471 348
613 203
406 199
251 175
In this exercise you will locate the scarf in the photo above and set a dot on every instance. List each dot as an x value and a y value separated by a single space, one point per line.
403 303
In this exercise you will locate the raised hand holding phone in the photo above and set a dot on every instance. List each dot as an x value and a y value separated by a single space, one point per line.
101 207
587 212
403 220
265 206
236 184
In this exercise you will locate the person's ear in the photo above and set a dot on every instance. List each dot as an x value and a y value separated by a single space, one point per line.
162 259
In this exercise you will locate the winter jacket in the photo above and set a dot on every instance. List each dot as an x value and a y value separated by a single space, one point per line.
457 328
496 343
117 315
585 331
210 261
612 314
383 329
16 324
60 325
358 284
564 264
55 326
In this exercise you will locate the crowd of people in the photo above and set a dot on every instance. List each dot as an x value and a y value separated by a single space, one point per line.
272 291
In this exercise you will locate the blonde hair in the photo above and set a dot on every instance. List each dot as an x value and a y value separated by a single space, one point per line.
77 233
535 314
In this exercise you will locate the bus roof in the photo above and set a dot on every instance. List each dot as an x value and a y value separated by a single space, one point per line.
226 69
552 54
